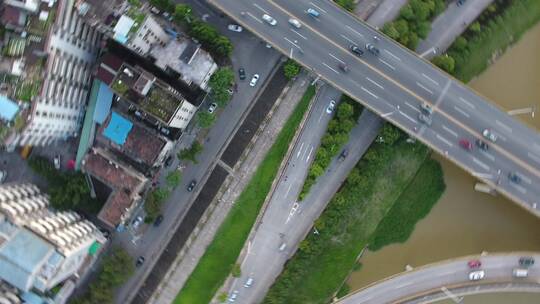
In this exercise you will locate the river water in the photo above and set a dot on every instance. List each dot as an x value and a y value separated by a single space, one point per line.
466 222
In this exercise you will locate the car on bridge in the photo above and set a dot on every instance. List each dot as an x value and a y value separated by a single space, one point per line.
295 23
473 264
313 12
268 19
426 108
482 144
343 67
514 178
372 49
356 50
477 275
526 261
465 144
488 134
425 119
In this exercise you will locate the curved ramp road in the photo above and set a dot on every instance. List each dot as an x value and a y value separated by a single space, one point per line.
395 83
450 278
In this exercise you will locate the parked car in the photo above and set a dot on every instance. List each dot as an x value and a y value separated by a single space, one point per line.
268 19
482 144
212 107
137 222
372 49
473 264
425 119
139 261
514 178
191 185
526 261
331 107
343 67
426 108
476 275
465 144
249 282
168 160
254 80
488 134
295 23
343 155
158 220
356 50
164 131
3 176
312 12
233 296
241 73
56 161
235 28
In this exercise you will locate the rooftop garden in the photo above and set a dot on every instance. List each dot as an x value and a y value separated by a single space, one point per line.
160 103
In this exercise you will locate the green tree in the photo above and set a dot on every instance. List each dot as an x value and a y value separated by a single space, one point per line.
390 134
219 83
191 152
174 178
390 30
164 5
475 27
291 69
183 13
205 119
346 4
460 44
445 62
154 200
345 111
222 297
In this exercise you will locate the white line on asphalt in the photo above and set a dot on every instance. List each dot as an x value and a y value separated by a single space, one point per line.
403 285
502 137
423 87
300 150
299 34
462 112
391 54
534 157
369 92
256 19
291 42
347 38
326 65
444 140
430 79
524 178
356 32
332 55
318 7
262 9
412 107
388 64
320 117
447 129
481 164
500 124
486 154
375 83
446 272
407 116
288 189
468 103
309 154
519 188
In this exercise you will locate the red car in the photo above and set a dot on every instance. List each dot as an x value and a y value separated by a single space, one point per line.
474 264
465 144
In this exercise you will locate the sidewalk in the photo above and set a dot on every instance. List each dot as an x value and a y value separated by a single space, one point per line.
203 235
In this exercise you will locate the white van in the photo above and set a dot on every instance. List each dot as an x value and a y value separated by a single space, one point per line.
520 273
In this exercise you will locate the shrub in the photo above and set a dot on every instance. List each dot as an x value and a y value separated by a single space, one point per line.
191 153
291 69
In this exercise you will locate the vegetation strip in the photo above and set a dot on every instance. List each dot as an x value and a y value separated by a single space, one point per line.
221 255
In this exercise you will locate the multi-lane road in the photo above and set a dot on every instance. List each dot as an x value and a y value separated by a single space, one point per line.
395 83
433 282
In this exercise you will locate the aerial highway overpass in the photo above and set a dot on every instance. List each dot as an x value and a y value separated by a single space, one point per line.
449 279
395 83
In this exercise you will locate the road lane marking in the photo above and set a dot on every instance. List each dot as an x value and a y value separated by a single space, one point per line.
423 87
486 154
480 163
347 38
462 112
288 190
369 92
299 34
320 117
412 107
262 9
318 7
375 83
524 178
534 157
326 65
468 103
444 140
300 150
430 79
391 54
407 116
332 55
256 19
403 285
519 188
500 124
355 31
387 64
309 154
447 129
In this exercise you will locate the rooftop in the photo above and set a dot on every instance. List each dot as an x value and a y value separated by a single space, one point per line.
118 129
99 11
8 108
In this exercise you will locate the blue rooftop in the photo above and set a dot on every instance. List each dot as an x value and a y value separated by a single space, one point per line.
104 102
118 129
8 108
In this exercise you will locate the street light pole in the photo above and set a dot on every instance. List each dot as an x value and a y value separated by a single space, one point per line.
523 111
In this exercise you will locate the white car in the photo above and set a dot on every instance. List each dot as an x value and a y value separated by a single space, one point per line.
137 222
269 19
295 23
254 80
249 282
235 28
488 134
331 107
212 108
233 296
476 275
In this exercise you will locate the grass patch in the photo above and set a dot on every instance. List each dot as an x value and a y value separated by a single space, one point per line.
221 255
413 205
323 261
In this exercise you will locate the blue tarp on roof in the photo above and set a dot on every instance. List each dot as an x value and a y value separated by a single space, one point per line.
104 102
118 129
8 108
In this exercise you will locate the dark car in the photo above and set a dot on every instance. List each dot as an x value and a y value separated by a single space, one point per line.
241 73
158 220
356 50
514 178
482 144
372 49
139 261
168 161
343 154
526 261
191 185
343 67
